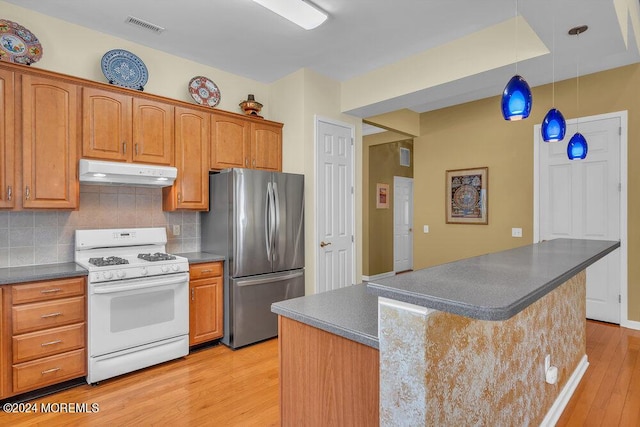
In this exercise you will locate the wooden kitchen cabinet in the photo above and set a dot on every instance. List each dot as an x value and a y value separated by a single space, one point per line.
266 146
239 142
120 127
191 187
230 142
47 333
205 307
7 144
50 136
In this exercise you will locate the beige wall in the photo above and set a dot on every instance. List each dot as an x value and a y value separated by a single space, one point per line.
379 231
77 51
298 99
474 134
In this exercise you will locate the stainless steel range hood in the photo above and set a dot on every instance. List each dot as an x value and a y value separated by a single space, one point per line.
134 174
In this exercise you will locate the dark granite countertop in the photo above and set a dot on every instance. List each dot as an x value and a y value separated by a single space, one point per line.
488 287
350 312
495 286
200 257
32 273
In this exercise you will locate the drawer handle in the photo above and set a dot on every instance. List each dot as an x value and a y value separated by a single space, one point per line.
50 291
48 371
206 271
56 314
44 344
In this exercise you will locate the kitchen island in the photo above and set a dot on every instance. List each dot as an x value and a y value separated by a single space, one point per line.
461 343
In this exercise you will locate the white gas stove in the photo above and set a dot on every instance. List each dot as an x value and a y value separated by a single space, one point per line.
116 254
138 300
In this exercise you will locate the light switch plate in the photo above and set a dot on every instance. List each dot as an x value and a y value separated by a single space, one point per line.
516 232
425 228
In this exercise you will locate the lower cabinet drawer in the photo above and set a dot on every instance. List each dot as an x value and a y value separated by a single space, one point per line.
44 315
49 370
48 342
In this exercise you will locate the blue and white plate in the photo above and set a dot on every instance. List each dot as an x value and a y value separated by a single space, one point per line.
125 69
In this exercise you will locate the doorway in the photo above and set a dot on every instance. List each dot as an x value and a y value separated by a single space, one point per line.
402 224
584 199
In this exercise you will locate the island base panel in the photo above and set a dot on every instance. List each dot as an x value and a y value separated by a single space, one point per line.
326 379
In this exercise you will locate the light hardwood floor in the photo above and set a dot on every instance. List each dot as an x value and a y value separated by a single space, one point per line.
221 387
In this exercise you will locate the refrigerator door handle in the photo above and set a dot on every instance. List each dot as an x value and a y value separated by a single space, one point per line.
267 222
276 220
263 280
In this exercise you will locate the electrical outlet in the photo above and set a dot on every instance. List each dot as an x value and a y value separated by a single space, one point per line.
516 232
425 228
176 230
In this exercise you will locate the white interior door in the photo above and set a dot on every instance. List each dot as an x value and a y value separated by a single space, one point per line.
335 206
581 199
402 224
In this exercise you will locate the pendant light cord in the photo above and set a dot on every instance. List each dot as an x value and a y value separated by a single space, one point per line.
553 64
577 84
517 37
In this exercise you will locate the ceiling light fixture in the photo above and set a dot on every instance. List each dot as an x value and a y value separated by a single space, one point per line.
297 11
554 125
577 147
516 98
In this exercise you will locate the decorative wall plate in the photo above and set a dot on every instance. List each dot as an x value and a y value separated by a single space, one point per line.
17 44
204 91
125 69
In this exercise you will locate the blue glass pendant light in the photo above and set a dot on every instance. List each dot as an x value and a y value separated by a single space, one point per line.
516 99
577 148
554 126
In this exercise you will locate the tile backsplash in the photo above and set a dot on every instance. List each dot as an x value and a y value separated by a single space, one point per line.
45 237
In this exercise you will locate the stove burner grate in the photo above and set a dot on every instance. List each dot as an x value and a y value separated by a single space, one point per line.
158 256
112 260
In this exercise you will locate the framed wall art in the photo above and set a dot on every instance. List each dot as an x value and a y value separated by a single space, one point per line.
382 196
466 196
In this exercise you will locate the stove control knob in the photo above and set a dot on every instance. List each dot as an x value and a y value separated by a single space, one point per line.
96 276
144 271
108 275
121 274
165 268
175 267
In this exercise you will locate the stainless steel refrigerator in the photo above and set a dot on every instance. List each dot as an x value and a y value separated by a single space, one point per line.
256 220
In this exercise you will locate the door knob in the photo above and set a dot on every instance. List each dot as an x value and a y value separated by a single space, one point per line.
323 244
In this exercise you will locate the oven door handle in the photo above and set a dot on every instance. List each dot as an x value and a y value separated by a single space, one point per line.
156 282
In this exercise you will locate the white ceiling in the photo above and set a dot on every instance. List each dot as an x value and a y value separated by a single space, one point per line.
243 38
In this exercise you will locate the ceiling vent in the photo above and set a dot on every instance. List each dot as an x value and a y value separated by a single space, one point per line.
144 24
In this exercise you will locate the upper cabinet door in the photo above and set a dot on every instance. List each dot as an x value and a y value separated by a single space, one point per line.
229 142
191 188
266 146
152 132
49 142
7 119
106 130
